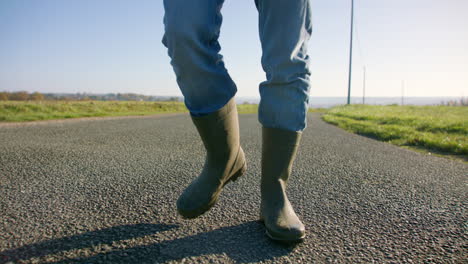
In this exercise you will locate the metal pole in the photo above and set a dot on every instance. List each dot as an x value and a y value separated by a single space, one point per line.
364 87
350 52
402 92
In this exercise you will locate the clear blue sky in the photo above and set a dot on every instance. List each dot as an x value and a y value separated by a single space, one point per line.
115 46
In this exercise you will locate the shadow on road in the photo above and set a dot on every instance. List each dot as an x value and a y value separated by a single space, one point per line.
85 240
244 243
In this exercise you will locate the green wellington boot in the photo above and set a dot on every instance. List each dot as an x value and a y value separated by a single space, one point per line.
278 154
225 160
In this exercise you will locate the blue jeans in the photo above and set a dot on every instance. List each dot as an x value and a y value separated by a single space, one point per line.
192 30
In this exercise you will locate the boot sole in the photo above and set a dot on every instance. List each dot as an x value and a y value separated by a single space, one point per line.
204 209
282 239
286 240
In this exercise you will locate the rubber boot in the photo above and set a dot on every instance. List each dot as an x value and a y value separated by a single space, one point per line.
225 160
278 153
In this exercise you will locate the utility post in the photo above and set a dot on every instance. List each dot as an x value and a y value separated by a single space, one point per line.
364 86
402 92
350 52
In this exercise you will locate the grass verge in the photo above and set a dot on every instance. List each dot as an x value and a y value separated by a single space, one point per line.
438 129
317 110
20 111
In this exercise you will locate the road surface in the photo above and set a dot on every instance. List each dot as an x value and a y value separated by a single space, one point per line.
104 191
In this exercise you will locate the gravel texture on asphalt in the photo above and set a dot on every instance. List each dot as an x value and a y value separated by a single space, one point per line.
104 191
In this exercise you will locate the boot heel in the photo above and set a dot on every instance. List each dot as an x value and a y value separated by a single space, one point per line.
240 158
239 173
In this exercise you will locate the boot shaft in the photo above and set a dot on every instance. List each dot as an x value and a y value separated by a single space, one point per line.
279 148
219 131
278 153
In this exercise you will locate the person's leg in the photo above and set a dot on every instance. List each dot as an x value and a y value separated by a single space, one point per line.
191 36
285 28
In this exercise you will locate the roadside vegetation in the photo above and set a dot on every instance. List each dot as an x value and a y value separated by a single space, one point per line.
317 110
32 107
19 111
247 108
438 129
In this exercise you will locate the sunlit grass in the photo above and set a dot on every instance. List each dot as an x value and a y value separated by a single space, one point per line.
317 110
247 108
19 111
442 129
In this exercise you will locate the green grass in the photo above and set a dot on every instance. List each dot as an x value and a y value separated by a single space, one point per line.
247 108
317 110
19 111
439 129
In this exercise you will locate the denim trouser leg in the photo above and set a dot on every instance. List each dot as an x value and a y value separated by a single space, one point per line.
285 29
191 35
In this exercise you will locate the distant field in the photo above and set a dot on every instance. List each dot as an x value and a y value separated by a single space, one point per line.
18 111
439 129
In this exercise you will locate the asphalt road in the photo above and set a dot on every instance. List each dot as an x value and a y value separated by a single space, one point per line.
104 191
